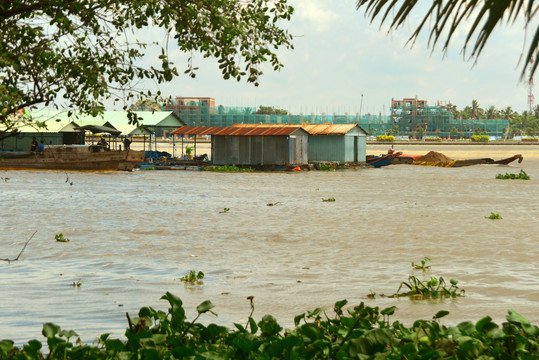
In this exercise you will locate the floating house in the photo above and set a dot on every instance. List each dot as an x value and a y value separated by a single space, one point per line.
60 128
343 143
57 131
260 145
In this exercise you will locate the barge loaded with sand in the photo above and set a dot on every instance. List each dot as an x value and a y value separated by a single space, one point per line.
71 157
433 158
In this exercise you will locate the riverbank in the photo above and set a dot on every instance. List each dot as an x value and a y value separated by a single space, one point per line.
457 143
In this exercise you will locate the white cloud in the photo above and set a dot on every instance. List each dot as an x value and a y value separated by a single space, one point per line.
341 56
317 14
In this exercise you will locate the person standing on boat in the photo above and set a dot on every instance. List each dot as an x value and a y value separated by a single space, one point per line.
104 144
41 148
127 143
33 147
391 149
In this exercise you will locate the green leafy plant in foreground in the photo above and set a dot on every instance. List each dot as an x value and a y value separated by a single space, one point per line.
494 216
520 176
193 277
355 332
60 238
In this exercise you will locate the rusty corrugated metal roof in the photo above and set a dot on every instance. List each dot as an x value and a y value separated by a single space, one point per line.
328 129
237 130
312 129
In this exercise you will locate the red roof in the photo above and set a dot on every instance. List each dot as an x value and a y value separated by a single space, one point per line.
237 130
267 129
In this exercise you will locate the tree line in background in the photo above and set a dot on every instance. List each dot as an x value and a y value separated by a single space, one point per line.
525 123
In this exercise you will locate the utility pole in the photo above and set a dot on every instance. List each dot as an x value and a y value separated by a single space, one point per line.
531 97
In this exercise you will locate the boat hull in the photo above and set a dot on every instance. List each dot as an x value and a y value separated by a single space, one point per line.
384 160
72 158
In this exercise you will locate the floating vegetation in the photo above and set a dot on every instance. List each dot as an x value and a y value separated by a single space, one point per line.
494 216
148 168
274 204
353 332
429 289
193 277
520 176
327 167
229 168
61 238
328 200
225 210
423 266
76 283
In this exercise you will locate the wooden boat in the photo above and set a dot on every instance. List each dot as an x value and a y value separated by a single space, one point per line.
382 160
509 160
71 157
419 160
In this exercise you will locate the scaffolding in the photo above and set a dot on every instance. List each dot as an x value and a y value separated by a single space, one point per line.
227 116
435 120
411 114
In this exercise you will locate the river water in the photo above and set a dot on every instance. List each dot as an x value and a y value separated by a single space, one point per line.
134 235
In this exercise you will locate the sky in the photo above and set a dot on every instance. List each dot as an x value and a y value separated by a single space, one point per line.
342 63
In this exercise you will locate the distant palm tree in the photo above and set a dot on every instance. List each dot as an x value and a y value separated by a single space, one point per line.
492 112
536 111
466 113
476 110
508 113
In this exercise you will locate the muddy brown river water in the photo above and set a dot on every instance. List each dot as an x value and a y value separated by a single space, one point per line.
134 235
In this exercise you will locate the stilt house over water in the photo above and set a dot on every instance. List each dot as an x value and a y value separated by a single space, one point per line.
343 143
260 145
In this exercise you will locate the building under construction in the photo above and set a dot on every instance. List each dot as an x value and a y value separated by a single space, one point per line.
409 114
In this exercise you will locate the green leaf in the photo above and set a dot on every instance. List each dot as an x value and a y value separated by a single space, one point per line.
205 307
50 329
480 325
181 352
252 324
33 348
298 318
68 333
6 346
114 345
440 314
389 310
311 331
269 326
174 301
240 327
